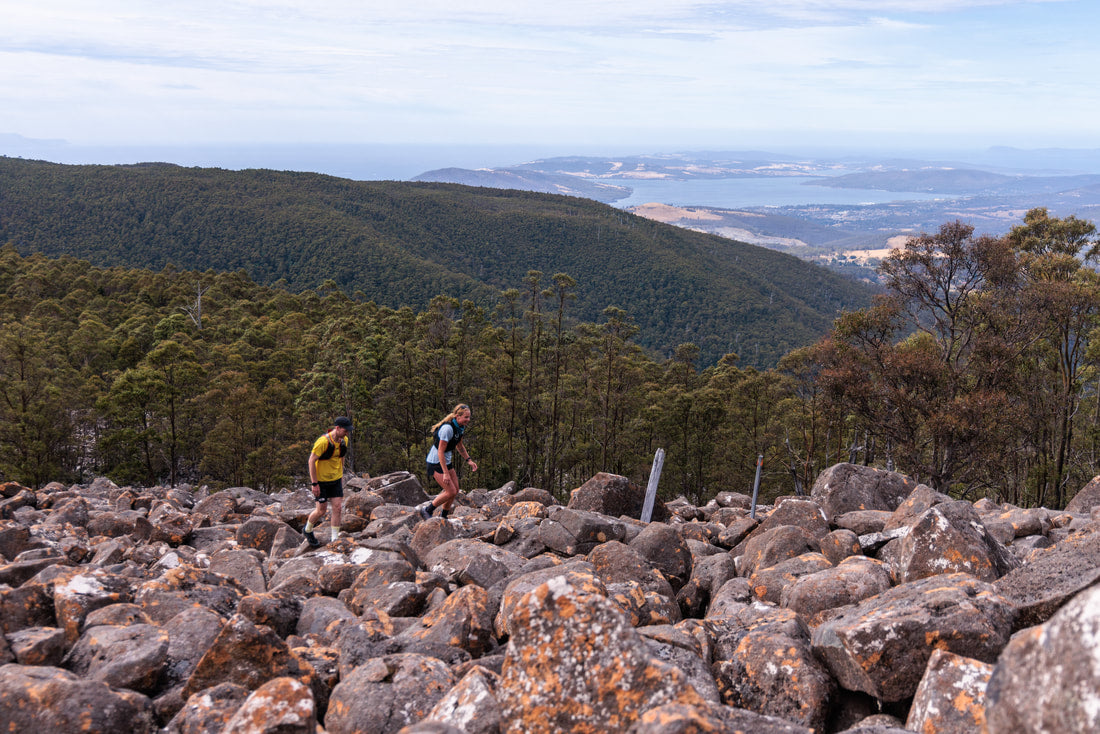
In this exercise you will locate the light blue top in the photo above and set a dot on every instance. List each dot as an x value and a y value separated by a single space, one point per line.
446 433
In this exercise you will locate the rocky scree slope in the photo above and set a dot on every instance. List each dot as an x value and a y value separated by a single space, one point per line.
875 605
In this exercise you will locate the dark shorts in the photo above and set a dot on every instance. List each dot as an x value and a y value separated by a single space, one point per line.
434 469
331 489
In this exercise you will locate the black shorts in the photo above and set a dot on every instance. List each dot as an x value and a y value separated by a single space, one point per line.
335 488
434 469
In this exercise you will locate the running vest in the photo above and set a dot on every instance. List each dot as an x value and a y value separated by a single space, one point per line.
455 440
328 452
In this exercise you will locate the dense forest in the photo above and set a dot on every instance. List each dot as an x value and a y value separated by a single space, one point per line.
402 244
976 373
173 376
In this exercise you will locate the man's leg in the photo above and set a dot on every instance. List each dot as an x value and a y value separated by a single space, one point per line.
336 504
315 517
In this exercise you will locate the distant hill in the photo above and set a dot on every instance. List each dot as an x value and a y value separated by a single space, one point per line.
592 177
959 181
515 178
402 243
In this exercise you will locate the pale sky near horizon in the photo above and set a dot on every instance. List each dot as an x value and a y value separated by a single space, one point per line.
732 73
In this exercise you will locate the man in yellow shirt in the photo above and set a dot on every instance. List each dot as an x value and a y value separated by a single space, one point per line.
326 475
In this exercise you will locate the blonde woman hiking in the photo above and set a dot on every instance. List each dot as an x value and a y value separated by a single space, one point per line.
446 440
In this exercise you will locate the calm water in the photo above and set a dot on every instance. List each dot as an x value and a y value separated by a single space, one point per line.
744 192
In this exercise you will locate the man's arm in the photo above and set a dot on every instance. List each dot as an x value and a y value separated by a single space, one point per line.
313 472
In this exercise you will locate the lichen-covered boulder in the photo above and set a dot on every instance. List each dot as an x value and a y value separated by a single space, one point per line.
29 605
615 496
616 562
172 526
280 706
711 718
840 544
951 696
686 651
122 657
1007 524
467 561
278 610
573 532
520 535
246 654
776 674
853 580
919 501
806 514
862 522
464 620
1086 498
190 635
574 664
665 549
768 584
398 488
881 646
471 706
245 566
730 598
208 711
765 548
319 612
707 576
187 586
14 539
1048 677
375 578
950 538
259 532
848 487
217 507
385 694
42 699
578 574
22 498
1051 577
34 646
643 607
85 592
73 511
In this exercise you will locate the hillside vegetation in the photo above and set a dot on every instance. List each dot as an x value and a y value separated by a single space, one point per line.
975 375
401 244
179 376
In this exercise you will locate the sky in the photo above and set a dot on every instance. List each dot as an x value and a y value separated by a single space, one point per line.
649 74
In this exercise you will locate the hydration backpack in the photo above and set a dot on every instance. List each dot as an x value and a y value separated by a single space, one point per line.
328 452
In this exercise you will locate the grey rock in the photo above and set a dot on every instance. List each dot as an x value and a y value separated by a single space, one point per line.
1047 679
848 487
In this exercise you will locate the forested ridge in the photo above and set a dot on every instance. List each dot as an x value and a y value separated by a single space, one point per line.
401 244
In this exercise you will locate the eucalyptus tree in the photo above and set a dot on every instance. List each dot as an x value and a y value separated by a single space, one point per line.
38 441
1064 301
931 368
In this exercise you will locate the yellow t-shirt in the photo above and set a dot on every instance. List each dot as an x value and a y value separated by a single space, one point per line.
331 469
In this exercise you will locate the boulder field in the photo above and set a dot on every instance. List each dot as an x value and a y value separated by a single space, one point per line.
875 605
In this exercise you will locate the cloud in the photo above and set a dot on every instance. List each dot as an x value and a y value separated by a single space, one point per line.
243 68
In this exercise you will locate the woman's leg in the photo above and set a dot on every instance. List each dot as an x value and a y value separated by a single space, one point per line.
446 497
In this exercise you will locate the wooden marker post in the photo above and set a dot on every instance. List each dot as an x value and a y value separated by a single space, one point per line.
651 488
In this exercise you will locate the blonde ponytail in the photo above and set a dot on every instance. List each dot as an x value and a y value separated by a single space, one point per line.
455 412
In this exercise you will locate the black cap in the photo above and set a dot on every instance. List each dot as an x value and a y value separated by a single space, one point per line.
343 422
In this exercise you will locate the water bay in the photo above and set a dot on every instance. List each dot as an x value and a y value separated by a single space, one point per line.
732 193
